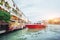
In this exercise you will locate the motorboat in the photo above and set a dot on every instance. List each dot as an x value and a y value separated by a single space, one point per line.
35 26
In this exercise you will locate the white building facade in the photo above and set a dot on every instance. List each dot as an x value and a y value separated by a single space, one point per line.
16 14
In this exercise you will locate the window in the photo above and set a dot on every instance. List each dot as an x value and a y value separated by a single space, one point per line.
15 11
7 5
1 2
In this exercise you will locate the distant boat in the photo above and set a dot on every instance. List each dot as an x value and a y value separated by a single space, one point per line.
35 26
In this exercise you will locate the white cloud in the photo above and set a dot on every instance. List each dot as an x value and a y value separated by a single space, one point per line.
39 9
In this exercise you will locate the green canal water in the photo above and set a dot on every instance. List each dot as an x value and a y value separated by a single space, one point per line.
25 34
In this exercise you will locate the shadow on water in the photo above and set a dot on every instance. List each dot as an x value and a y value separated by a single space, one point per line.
7 33
12 35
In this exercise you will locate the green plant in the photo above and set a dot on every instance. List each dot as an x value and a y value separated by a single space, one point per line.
4 16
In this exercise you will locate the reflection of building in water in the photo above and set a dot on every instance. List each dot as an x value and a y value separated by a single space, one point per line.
17 17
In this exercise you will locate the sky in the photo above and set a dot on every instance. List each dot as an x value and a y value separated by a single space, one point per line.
36 10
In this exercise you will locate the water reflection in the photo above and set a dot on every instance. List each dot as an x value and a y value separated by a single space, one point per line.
50 33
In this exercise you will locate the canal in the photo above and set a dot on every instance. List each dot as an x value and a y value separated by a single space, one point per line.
52 32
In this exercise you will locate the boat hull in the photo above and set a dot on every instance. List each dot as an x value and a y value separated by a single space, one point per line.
36 26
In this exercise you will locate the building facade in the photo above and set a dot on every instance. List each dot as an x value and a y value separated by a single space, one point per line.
17 20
